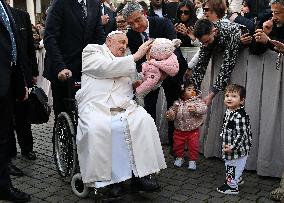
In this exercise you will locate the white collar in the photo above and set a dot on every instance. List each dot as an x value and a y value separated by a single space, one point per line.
85 1
159 12
147 29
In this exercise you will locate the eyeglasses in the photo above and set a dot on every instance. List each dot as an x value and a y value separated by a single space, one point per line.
185 12
205 9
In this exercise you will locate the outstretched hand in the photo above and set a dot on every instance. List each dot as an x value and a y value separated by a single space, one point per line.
142 50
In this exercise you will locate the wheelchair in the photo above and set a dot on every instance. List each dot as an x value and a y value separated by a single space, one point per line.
64 143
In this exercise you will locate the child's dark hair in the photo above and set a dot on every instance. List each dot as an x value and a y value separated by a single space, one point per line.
184 85
237 88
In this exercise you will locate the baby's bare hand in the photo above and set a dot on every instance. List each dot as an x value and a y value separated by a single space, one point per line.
191 108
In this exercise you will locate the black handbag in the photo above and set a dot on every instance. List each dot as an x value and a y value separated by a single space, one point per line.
39 110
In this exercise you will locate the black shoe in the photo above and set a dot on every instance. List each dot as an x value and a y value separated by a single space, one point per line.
14 171
111 193
14 195
226 189
145 184
29 155
116 190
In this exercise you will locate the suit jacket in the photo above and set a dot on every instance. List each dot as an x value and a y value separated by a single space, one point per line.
111 25
169 10
158 28
11 77
67 34
26 46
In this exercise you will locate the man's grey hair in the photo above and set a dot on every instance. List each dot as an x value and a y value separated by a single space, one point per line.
130 8
281 2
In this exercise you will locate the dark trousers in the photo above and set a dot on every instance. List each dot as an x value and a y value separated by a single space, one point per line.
22 128
6 109
61 91
171 88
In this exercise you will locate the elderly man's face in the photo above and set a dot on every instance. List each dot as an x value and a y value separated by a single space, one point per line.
137 21
278 13
117 44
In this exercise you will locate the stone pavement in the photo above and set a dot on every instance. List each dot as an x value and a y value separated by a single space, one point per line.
178 185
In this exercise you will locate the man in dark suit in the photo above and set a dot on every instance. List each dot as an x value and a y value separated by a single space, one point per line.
12 84
70 26
108 18
154 27
22 125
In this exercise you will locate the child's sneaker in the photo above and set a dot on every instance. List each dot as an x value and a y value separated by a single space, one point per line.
226 189
179 162
241 181
192 165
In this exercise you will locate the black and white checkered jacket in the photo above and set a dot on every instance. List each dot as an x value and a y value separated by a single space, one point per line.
236 132
228 40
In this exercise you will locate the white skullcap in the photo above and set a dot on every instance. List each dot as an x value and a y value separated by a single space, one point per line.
114 33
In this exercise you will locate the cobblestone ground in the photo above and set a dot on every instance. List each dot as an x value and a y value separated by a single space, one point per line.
178 185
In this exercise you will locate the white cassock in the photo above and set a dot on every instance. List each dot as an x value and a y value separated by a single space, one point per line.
111 147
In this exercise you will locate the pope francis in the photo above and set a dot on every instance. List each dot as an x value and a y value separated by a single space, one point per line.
116 138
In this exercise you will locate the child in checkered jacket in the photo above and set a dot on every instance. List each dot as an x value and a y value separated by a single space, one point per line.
236 136
187 114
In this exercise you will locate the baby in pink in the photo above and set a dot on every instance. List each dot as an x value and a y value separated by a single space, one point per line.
161 57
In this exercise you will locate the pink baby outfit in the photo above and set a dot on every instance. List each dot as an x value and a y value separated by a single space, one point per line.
162 58
151 71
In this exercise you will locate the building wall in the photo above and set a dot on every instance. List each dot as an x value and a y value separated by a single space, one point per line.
35 17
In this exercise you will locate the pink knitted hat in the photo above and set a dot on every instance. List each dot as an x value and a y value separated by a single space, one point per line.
163 48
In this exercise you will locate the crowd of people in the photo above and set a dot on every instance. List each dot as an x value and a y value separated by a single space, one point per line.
119 53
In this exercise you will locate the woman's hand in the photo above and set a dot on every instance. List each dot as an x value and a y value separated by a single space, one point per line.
181 28
246 39
190 34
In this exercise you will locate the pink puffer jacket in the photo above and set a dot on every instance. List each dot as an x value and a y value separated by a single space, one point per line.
151 71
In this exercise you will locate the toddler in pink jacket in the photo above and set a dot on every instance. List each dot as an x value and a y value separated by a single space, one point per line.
160 58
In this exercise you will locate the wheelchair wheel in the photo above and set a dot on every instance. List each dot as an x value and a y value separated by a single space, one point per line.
64 146
78 187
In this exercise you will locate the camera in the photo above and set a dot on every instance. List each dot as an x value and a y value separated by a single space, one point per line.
244 30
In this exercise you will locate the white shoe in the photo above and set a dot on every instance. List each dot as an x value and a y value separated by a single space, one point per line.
192 165
179 162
